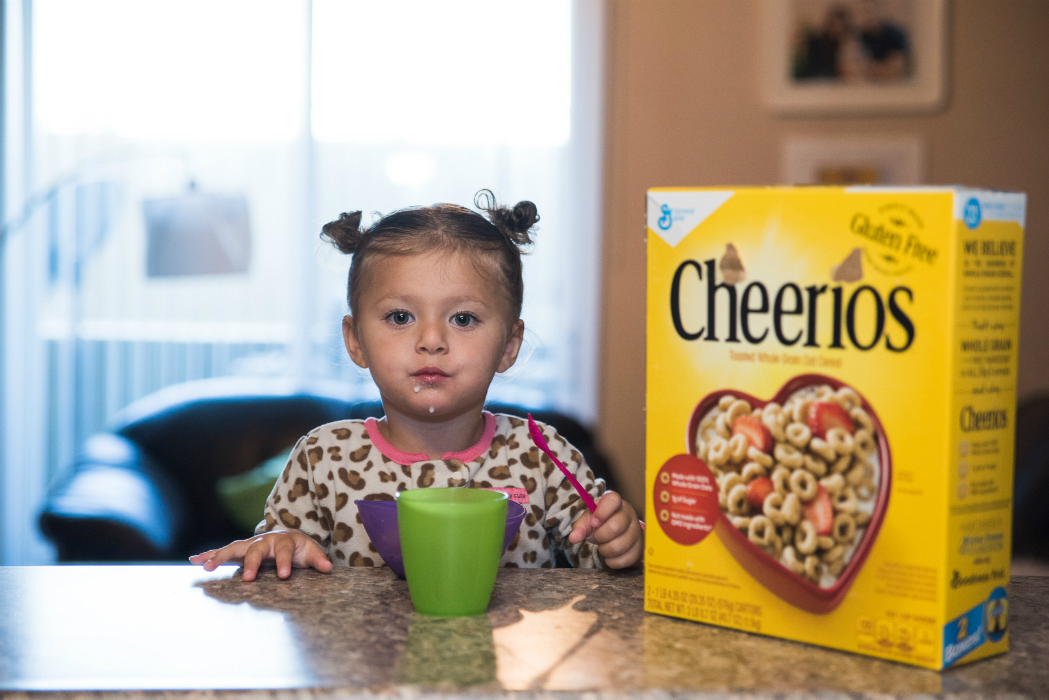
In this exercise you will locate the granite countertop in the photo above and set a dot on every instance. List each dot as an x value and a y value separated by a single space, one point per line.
179 631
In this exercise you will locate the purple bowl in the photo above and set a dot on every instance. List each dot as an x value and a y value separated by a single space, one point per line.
380 522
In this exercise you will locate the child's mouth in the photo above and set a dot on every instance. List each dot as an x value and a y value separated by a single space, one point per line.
429 375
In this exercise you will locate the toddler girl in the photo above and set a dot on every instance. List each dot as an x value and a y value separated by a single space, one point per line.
435 301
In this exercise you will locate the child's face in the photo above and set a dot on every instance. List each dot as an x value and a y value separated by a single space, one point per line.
433 332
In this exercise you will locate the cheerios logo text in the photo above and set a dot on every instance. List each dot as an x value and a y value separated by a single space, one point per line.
994 419
862 317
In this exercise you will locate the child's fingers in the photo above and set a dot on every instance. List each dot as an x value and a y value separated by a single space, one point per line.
582 529
588 523
307 553
613 528
628 558
620 538
315 558
283 553
607 505
626 549
231 552
202 557
617 523
619 545
257 550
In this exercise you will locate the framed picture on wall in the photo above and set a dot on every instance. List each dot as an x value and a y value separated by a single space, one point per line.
848 160
854 56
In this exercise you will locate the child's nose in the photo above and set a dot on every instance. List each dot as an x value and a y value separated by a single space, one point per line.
431 338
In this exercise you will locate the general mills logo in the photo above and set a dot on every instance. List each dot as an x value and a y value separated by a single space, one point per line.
666 219
673 215
972 212
669 216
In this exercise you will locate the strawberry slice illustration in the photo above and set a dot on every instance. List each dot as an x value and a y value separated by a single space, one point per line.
755 431
824 416
820 512
757 490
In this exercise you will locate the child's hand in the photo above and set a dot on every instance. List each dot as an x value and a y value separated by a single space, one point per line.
614 527
287 547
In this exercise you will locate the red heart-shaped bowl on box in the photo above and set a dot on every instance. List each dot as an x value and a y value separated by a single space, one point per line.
821 587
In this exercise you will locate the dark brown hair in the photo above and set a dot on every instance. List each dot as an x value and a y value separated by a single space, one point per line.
498 240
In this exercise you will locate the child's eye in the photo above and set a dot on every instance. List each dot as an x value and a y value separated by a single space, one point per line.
399 318
463 320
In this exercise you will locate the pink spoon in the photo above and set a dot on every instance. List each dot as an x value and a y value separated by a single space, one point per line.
537 438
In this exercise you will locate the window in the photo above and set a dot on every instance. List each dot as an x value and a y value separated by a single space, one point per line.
298 111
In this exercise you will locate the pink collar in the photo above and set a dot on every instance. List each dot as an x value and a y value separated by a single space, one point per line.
406 458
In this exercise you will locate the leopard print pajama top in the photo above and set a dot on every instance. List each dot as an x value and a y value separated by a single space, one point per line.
341 462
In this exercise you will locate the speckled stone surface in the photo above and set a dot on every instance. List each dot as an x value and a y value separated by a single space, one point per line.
178 631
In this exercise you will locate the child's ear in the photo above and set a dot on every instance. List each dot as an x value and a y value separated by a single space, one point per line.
353 344
513 346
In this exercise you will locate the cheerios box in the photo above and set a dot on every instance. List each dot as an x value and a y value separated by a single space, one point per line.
831 392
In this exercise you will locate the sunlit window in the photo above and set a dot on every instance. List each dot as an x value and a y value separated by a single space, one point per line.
187 71
424 73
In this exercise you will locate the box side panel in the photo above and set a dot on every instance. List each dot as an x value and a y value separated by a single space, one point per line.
988 251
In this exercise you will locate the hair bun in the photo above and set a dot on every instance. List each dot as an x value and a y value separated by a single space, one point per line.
345 232
516 224
524 216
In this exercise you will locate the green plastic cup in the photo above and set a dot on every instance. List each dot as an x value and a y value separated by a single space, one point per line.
451 540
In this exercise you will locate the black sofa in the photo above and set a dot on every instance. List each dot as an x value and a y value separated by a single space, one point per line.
145 490
1031 480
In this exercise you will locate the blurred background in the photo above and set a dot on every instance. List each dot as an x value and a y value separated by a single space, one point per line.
167 166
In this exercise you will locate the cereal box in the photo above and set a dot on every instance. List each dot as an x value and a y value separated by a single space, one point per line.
831 393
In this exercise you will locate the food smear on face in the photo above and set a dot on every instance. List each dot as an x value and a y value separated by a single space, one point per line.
416 390
431 409
800 480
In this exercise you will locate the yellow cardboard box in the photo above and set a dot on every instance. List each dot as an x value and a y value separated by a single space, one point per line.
831 393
